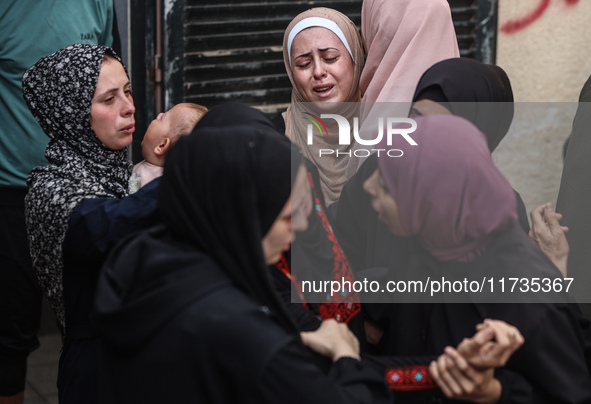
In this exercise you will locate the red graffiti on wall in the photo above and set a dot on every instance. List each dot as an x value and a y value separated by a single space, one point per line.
512 26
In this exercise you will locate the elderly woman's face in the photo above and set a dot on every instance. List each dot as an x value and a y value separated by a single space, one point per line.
292 218
112 109
383 203
322 67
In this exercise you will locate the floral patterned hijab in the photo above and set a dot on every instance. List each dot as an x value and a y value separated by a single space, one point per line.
58 90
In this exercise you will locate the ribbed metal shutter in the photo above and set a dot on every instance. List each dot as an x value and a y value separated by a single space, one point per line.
232 49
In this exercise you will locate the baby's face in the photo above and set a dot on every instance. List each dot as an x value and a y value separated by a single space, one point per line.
161 128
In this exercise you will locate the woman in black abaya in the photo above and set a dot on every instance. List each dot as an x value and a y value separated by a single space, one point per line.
187 311
476 91
459 212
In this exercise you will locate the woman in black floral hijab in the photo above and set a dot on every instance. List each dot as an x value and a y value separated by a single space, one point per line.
77 206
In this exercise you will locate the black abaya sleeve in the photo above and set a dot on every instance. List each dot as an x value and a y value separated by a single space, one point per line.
553 356
290 377
522 213
97 224
516 389
585 325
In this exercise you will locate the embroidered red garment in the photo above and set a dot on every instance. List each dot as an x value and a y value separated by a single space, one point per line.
283 266
408 378
341 307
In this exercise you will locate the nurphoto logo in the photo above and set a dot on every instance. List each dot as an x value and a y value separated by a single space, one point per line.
394 126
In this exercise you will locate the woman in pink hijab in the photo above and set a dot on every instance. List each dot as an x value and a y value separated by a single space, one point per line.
447 191
403 38
459 212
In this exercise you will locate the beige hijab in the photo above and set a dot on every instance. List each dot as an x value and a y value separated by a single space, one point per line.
331 168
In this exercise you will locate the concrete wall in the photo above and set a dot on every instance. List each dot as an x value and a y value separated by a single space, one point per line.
545 48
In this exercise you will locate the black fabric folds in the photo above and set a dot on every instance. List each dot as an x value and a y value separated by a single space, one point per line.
573 197
207 198
484 96
188 308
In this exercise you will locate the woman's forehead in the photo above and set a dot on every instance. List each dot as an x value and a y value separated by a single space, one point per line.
317 38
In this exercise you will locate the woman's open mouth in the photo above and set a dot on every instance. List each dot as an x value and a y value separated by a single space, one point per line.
323 91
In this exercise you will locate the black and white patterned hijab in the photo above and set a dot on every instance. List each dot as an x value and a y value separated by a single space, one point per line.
58 90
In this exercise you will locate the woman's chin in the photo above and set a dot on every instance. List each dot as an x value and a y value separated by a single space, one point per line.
273 259
328 106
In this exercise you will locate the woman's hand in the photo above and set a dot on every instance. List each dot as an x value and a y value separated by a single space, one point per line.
492 345
460 381
333 340
549 235
468 372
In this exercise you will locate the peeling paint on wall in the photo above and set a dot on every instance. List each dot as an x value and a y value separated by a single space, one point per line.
173 51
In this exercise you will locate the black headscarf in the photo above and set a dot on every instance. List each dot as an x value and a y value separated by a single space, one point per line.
574 196
223 187
476 91
58 90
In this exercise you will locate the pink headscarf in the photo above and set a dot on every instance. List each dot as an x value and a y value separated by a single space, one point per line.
403 39
448 191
